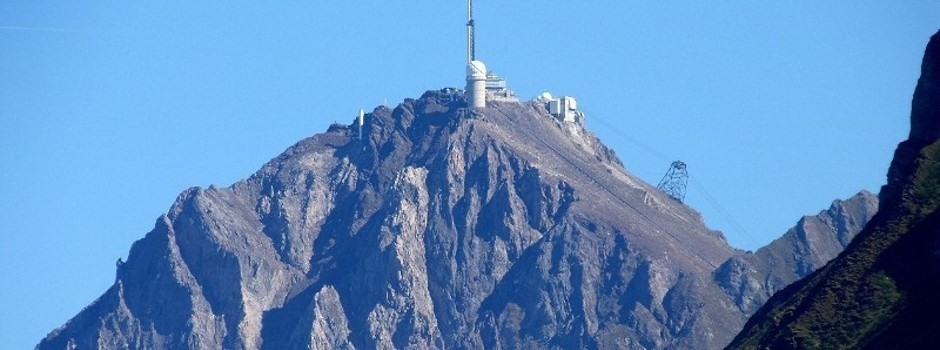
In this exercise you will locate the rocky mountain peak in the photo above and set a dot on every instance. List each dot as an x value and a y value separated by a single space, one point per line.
925 125
436 226
925 106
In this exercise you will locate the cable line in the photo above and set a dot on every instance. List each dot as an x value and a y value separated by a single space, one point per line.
614 195
735 225
721 210
641 145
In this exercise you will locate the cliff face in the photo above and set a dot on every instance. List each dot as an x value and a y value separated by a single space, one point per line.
751 279
437 227
879 293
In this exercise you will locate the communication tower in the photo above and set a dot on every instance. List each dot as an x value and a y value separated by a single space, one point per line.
471 41
476 70
675 181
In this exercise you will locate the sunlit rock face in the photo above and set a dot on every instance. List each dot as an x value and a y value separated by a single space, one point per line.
439 226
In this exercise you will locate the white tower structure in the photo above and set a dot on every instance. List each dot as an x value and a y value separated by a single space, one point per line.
361 120
476 70
476 84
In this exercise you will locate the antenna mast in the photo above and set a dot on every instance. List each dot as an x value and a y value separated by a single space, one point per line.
675 181
471 45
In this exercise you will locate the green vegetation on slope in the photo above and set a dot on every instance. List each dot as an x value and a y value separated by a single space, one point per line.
876 293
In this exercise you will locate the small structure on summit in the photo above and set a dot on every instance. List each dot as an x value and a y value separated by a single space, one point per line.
564 108
496 89
360 121
476 84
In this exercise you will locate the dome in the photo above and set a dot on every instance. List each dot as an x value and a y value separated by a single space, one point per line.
476 69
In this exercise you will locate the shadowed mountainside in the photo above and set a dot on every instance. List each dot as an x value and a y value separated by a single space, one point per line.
880 292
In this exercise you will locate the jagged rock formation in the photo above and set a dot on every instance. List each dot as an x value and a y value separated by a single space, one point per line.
751 279
437 227
880 292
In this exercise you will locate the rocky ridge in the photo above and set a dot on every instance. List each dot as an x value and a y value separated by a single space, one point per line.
442 227
751 279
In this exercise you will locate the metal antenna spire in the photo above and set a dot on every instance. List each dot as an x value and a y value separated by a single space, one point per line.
675 181
471 45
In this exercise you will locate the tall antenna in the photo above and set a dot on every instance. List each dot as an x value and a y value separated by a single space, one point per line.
675 181
471 45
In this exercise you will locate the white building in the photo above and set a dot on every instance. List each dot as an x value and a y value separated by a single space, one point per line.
564 108
476 84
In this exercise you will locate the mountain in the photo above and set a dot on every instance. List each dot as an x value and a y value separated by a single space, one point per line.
751 279
439 226
880 292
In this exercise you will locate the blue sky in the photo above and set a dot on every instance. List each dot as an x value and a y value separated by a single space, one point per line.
108 109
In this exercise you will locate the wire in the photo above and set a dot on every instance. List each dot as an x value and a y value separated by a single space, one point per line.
627 137
735 225
625 202
721 210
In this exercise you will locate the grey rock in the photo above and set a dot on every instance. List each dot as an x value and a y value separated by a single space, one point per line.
751 279
438 227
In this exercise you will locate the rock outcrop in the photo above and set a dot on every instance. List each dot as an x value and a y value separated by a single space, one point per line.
880 292
751 279
440 227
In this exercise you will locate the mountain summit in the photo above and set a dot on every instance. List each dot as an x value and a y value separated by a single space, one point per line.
436 226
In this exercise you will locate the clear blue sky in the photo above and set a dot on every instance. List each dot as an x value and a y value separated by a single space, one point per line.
108 109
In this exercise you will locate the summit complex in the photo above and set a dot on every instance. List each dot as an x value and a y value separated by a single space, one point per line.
459 219
436 226
486 86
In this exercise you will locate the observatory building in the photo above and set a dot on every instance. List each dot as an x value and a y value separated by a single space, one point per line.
482 85
496 89
564 108
476 84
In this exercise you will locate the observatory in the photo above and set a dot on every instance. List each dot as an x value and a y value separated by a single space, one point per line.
476 84
565 109
482 85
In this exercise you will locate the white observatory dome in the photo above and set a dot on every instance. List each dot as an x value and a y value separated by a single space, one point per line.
545 97
476 70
